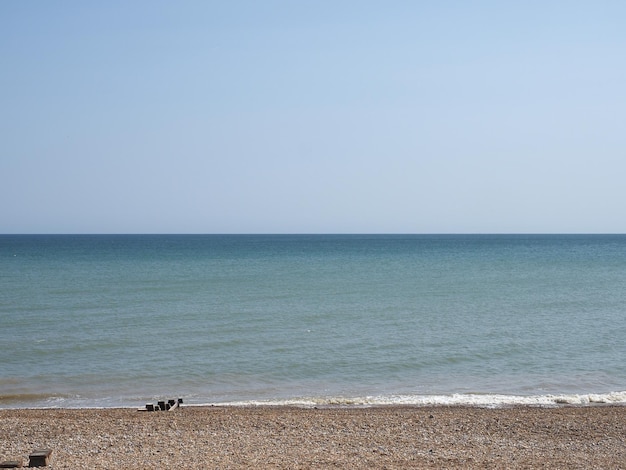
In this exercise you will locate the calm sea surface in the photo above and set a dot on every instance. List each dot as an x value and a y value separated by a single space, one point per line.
121 320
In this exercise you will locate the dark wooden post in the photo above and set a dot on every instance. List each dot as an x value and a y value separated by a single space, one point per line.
39 458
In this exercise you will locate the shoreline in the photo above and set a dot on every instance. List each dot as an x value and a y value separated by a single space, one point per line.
487 400
381 436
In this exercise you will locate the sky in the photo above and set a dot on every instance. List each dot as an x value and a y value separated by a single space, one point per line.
312 116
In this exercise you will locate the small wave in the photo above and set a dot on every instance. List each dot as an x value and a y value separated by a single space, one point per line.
20 398
35 400
478 400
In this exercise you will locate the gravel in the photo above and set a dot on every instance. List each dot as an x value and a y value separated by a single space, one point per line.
332 437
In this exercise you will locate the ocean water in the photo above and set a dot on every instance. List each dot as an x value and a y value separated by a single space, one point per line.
121 320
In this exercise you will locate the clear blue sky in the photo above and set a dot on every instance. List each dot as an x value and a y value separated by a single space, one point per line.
342 116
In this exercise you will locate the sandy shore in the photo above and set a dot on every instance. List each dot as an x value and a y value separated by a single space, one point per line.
297 438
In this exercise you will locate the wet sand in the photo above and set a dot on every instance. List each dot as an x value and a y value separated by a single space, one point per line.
301 438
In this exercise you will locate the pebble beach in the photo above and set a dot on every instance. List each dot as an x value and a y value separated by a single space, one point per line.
332 437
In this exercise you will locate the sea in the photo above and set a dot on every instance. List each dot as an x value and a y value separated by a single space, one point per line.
99 321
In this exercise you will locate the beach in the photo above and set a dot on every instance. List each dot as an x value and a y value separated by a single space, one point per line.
328 437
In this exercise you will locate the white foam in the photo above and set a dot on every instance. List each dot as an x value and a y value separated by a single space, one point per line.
479 400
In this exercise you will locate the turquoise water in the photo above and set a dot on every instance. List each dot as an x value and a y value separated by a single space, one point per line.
119 320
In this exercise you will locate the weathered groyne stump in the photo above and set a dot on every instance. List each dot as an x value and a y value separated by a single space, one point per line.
170 405
39 458
11 463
